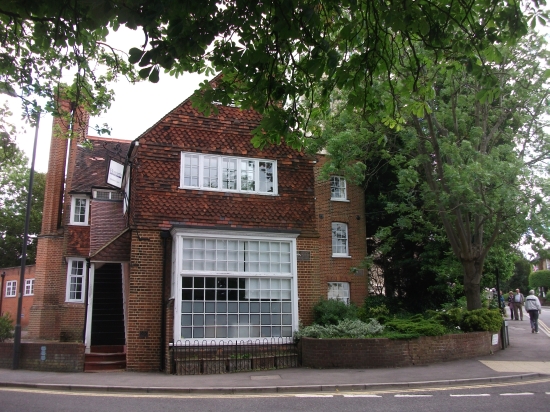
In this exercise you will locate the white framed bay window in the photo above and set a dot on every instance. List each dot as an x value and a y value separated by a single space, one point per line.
237 286
228 174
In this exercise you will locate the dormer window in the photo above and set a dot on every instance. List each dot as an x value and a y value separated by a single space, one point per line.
80 210
338 188
228 174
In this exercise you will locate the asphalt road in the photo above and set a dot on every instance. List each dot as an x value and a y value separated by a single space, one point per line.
526 395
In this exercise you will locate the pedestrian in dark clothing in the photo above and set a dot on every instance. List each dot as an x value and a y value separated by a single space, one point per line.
533 308
511 304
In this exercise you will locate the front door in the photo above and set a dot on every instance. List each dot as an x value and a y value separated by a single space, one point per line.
108 311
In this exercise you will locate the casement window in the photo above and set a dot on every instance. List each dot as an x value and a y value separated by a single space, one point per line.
75 280
339 239
339 291
338 188
228 174
11 288
29 287
79 210
234 287
108 195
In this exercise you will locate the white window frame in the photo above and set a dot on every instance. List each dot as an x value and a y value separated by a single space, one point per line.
339 291
76 276
29 287
11 288
74 200
336 231
178 273
338 185
197 177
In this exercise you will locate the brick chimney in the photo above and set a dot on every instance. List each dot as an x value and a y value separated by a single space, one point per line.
51 270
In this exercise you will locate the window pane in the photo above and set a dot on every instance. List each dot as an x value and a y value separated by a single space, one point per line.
210 172
191 170
247 175
266 177
229 173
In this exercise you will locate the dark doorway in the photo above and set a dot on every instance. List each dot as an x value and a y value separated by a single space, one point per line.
108 312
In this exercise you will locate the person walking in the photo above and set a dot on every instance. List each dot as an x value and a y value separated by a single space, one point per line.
533 308
518 305
511 304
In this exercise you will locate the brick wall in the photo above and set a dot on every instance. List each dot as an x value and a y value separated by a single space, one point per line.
387 353
351 212
8 304
47 357
145 301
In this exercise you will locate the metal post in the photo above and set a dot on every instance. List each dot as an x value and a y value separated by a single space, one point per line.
2 291
17 333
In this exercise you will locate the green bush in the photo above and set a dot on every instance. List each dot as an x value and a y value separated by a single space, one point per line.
480 320
451 319
331 312
6 327
346 328
414 327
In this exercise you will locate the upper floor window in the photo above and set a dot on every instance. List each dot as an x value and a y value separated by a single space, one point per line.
337 188
339 291
79 210
29 287
237 174
339 239
11 288
75 281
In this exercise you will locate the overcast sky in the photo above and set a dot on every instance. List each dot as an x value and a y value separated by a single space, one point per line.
135 109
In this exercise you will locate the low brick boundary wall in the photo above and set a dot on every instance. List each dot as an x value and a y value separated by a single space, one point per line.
46 356
387 353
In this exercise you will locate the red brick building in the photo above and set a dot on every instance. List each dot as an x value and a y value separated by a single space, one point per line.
9 292
190 233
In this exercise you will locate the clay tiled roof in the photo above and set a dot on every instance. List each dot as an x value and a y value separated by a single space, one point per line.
157 200
117 250
92 164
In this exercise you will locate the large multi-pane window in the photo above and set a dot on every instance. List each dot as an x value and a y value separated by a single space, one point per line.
79 210
339 239
75 280
234 288
235 174
338 188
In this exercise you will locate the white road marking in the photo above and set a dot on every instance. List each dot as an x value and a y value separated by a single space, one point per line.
413 396
470 394
362 396
306 395
517 394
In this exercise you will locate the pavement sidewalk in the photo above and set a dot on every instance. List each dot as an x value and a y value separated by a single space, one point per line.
527 357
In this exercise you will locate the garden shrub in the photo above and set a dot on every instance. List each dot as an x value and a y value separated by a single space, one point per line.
346 328
451 319
6 327
480 320
415 326
332 311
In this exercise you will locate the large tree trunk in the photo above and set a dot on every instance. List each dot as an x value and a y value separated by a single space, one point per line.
472 280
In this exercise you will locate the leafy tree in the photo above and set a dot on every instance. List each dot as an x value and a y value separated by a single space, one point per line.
14 181
269 52
472 155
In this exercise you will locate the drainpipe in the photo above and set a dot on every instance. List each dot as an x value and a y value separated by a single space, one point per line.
165 235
